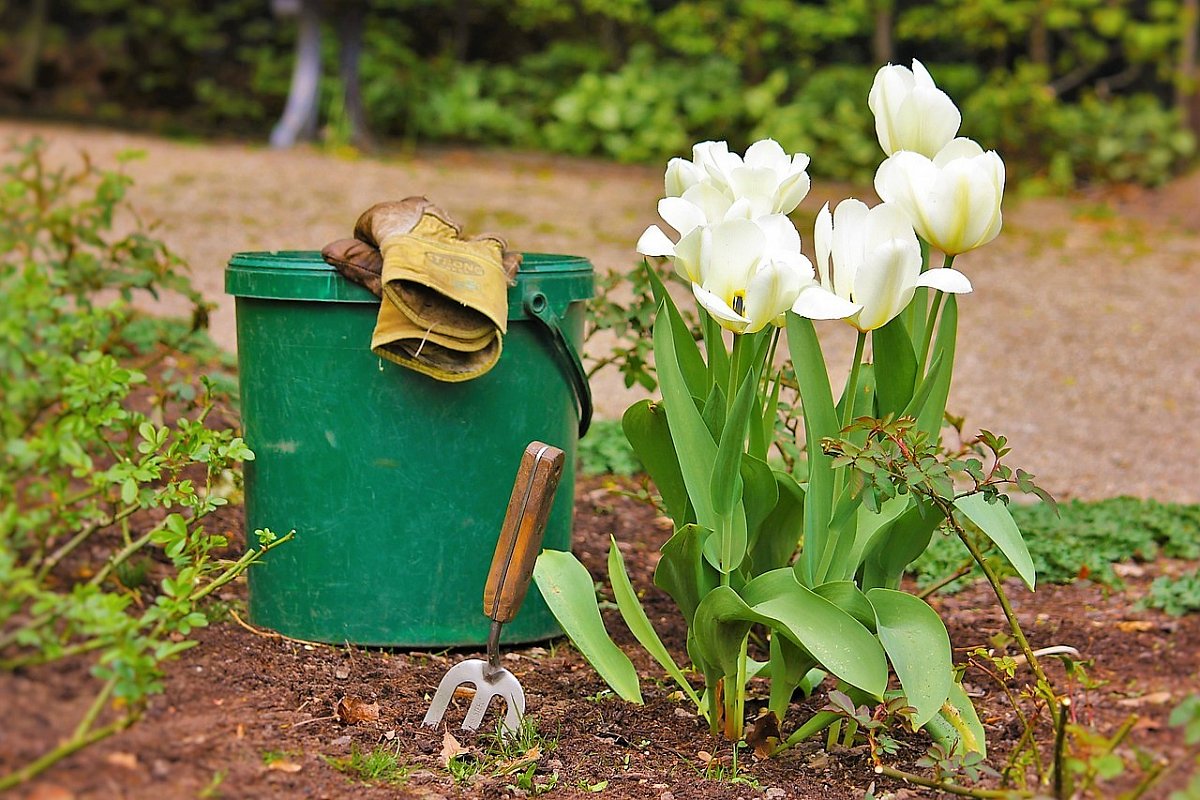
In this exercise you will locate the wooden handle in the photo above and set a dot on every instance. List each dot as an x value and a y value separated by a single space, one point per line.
521 535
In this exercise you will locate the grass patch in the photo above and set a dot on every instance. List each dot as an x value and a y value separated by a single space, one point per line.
1084 542
379 765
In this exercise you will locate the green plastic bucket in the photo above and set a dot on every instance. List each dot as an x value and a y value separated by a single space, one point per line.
396 484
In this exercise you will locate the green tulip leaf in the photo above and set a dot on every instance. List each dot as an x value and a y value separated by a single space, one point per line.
637 621
567 588
996 522
934 409
683 572
726 483
645 426
901 544
688 432
687 352
848 597
895 367
839 642
774 541
956 726
820 420
916 641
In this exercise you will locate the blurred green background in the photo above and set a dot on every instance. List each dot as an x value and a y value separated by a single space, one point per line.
1069 91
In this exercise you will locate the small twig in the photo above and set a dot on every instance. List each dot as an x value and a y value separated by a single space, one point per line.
314 719
965 569
267 634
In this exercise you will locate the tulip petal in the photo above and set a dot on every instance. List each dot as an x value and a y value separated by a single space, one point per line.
770 293
885 282
767 153
822 243
848 244
725 316
737 246
945 280
792 190
653 242
681 214
817 302
681 176
691 252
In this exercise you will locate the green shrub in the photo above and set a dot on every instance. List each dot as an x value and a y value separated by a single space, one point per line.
93 478
1086 539
648 109
1176 596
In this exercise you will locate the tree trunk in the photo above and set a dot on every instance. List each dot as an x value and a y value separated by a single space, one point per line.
883 42
299 120
350 41
31 54
1039 39
1187 72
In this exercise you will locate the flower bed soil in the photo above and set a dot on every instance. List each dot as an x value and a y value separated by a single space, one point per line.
245 697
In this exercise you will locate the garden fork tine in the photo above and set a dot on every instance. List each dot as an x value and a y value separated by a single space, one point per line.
507 582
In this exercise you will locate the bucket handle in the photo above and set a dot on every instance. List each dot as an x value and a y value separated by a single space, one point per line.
538 307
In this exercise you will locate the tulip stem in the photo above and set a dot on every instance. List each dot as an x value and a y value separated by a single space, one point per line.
931 321
852 383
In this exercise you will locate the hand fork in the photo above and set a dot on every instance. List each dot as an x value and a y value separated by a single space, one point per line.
507 582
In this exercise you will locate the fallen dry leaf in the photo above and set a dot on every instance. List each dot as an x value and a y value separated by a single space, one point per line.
283 765
764 734
704 756
125 760
520 762
1135 625
451 749
49 791
352 710
1152 699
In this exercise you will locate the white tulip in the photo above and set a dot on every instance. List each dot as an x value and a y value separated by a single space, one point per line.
953 201
766 181
911 113
870 258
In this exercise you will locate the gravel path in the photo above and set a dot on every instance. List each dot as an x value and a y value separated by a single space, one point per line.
1080 343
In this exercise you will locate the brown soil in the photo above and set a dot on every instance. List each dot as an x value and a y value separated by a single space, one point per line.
1076 345
244 697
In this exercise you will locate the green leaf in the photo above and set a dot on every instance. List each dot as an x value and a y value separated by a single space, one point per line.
934 410
901 544
718 356
820 421
996 522
691 362
567 589
895 367
788 667
645 426
848 597
956 726
925 389
773 542
726 485
683 572
839 642
916 641
637 621
696 448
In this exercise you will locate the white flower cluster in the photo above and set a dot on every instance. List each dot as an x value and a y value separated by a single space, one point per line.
741 252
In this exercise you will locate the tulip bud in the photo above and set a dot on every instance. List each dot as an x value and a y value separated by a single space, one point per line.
911 113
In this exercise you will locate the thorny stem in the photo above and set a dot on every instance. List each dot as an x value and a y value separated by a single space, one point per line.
949 787
73 745
1060 740
69 546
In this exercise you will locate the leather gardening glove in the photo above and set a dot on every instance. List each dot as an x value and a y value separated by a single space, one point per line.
445 303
